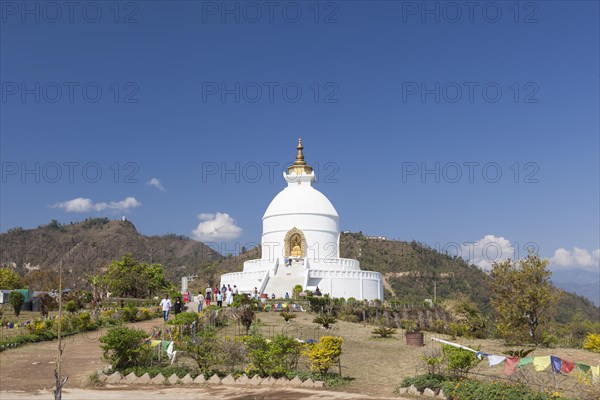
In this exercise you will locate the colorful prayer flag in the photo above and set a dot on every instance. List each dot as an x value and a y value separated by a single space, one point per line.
595 372
511 365
583 368
541 363
495 360
567 366
524 361
556 364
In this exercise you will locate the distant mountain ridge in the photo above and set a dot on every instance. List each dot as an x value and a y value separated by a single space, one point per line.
89 246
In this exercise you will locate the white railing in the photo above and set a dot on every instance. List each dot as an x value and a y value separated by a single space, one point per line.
243 275
260 264
264 282
324 273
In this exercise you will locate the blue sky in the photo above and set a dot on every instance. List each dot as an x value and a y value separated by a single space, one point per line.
429 121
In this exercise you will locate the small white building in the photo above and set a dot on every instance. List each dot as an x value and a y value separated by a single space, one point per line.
300 246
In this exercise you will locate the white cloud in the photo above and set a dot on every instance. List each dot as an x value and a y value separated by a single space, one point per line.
81 204
156 183
576 258
219 226
487 250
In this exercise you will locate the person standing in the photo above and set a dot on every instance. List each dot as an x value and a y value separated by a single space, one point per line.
229 297
178 306
199 299
165 303
208 298
220 299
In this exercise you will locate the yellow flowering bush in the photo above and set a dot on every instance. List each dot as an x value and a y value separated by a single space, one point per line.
324 354
592 342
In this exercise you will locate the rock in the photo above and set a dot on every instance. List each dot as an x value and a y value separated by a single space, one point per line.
309 383
158 380
428 393
242 380
102 377
281 382
255 380
143 380
228 380
319 384
131 378
186 380
402 390
214 380
199 380
442 395
114 378
270 381
413 390
173 379
296 382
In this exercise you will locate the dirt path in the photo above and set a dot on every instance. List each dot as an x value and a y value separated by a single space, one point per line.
201 392
31 367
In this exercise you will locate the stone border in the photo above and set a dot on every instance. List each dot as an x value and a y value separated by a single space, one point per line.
229 380
426 393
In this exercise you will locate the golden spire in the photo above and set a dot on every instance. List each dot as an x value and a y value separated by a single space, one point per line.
299 165
300 155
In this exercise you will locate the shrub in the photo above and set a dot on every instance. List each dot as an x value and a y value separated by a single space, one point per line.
205 349
383 331
233 351
297 290
324 354
459 361
129 313
84 321
432 360
123 347
473 389
592 342
71 306
410 325
421 382
258 354
458 329
285 352
325 320
16 300
246 316
287 316
186 318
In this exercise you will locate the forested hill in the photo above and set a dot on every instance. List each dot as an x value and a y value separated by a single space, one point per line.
89 246
410 270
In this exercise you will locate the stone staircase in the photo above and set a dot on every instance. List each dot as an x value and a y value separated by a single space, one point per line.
285 279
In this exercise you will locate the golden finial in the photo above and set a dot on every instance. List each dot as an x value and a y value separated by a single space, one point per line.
299 167
300 155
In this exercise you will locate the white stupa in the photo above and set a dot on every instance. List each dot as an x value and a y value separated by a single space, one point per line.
301 246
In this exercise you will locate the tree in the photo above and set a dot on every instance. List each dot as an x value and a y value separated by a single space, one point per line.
42 280
131 278
297 290
16 300
9 279
522 296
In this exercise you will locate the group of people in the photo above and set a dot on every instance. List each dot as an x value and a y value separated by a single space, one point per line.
221 296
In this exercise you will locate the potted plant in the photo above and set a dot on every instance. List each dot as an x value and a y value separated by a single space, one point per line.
413 333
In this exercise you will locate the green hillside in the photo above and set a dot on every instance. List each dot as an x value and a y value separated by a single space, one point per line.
410 270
